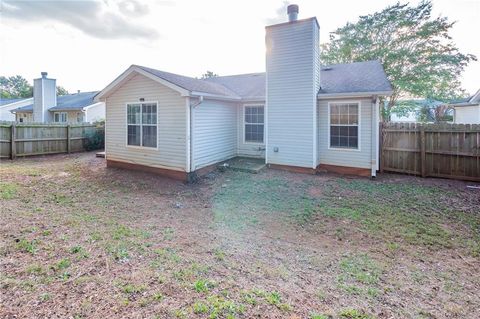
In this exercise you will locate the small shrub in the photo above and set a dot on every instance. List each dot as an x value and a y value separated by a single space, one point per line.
273 298
27 246
354 314
202 285
45 297
133 289
200 307
94 140
63 264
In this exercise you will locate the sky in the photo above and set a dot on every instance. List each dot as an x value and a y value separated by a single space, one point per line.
86 44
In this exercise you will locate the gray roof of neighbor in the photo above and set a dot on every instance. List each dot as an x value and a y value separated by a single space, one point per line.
72 102
358 77
9 101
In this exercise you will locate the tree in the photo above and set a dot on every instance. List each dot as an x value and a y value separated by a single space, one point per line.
208 74
419 57
61 91
15 87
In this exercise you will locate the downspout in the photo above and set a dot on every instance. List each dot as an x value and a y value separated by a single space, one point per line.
192 106
375 138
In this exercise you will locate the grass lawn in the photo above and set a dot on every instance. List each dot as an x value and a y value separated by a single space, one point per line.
82 241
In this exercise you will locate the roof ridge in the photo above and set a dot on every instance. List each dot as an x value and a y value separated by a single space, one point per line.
232 75
213 84
349 63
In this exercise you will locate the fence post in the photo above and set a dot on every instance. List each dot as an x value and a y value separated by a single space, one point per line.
69 147
13 143
423 155
382 153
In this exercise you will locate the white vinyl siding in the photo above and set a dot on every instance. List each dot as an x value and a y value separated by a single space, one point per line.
95 112
171 133
7 115
467 114
292 86
214 132
360 158
24 117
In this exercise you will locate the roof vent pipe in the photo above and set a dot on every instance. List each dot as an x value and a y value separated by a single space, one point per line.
44 75
292 11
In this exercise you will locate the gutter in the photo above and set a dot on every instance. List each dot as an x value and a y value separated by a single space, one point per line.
214 96
463 104
353 94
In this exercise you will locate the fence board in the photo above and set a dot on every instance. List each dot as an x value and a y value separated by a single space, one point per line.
38 139
440 150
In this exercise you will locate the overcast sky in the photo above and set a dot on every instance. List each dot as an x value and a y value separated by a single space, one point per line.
86 44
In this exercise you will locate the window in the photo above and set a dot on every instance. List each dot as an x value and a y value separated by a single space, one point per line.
344 119
60 117
142 124
79 117
254 124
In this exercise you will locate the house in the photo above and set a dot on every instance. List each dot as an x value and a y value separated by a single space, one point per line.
47 107
422 110
298 115
7 105
467 111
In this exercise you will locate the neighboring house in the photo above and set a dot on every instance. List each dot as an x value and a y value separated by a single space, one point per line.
297 116
467 111
47 107
409 117
421 111
7 105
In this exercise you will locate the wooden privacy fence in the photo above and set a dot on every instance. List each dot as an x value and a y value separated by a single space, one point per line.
39 139
437 150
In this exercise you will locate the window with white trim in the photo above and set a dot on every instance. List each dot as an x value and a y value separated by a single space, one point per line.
60 117
254 124
344 119
142 124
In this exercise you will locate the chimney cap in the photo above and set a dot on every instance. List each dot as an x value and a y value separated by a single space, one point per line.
292 11
292 8
44 74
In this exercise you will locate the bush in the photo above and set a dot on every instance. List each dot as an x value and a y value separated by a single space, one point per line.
95 140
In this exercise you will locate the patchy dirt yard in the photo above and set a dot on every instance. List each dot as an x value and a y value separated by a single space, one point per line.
82 241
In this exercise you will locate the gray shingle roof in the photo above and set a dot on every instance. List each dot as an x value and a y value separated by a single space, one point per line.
66 102
191 84
248 86
354 78
9 101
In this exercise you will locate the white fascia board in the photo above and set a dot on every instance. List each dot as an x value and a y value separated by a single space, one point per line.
464 104
30 99
92 105
20 111
104 93
475 97
353 94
